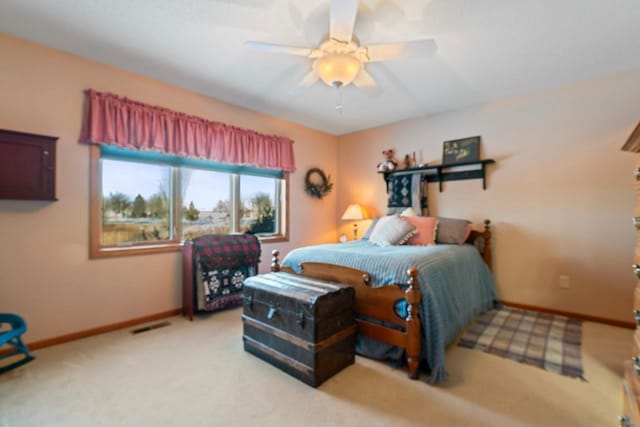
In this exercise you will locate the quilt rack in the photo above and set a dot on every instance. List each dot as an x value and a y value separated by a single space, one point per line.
476 169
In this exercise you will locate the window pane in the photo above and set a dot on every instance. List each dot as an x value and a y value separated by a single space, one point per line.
258 205
135 202
206 202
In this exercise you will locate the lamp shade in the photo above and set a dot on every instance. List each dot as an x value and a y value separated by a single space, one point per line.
354 212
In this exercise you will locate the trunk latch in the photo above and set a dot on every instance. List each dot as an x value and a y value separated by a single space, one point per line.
272 312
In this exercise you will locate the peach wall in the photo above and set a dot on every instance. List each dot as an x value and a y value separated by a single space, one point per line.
45 273
560 197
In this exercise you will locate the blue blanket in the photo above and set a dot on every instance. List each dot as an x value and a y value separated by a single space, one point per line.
455 283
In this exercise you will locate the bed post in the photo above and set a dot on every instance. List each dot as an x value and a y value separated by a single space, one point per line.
486 251
412 296
275 262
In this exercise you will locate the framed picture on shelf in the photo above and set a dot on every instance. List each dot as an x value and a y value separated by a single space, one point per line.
461 150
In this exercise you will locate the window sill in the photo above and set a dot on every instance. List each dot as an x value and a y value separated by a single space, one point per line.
120 251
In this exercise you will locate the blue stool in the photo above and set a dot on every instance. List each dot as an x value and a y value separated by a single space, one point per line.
12 337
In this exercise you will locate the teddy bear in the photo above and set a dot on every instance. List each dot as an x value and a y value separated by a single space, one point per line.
389 163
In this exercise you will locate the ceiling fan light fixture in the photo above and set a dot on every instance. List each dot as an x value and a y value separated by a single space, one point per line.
337 68
339 60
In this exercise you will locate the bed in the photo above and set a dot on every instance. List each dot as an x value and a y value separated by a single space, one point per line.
438 290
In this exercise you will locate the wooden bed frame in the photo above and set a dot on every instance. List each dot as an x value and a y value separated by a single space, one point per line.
379 303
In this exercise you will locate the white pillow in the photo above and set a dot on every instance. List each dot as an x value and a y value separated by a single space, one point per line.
392 230
408 212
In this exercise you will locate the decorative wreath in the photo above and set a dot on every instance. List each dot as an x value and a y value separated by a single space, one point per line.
317 189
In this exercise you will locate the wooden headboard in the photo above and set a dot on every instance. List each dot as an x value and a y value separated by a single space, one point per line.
482 241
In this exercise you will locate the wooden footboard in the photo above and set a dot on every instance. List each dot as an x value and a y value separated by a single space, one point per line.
375 303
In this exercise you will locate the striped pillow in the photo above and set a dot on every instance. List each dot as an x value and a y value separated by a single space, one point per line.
367 235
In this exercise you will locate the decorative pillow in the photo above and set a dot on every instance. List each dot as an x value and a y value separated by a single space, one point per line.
367 235
409 212
426 227
452 230
391 230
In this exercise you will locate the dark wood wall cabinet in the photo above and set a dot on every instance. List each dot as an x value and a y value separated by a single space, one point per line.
27 166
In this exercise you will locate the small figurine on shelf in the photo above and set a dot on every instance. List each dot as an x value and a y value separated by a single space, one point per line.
407 161
410 160
389 163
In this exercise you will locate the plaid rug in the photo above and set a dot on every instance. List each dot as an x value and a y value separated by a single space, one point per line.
543 340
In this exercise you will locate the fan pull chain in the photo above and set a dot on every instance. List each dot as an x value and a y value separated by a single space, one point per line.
338 96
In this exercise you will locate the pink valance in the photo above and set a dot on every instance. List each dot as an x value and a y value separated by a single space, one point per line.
113 120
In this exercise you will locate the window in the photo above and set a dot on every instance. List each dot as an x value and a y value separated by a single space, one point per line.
259 204
206 202
135 202
151 202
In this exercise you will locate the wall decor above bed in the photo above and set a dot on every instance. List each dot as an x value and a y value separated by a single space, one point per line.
461 150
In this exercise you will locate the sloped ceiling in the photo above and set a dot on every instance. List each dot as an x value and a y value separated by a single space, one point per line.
486 49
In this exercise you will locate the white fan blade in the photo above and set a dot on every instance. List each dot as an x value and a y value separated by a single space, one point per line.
277 48
342 20
390 75
364 80
388 51
309 80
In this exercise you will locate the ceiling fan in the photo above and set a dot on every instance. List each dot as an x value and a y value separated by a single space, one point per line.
340 60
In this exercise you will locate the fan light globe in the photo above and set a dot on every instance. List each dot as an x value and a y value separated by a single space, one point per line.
338 69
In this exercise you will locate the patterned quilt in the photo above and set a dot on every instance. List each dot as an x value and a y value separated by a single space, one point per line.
407 191
222 262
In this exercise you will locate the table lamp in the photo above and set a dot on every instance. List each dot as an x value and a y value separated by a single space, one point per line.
354 212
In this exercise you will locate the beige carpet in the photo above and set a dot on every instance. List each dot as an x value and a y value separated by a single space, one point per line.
197 374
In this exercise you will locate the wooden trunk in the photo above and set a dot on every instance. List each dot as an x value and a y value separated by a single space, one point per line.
303 326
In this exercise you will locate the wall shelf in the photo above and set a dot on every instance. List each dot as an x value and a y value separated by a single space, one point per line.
441 173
